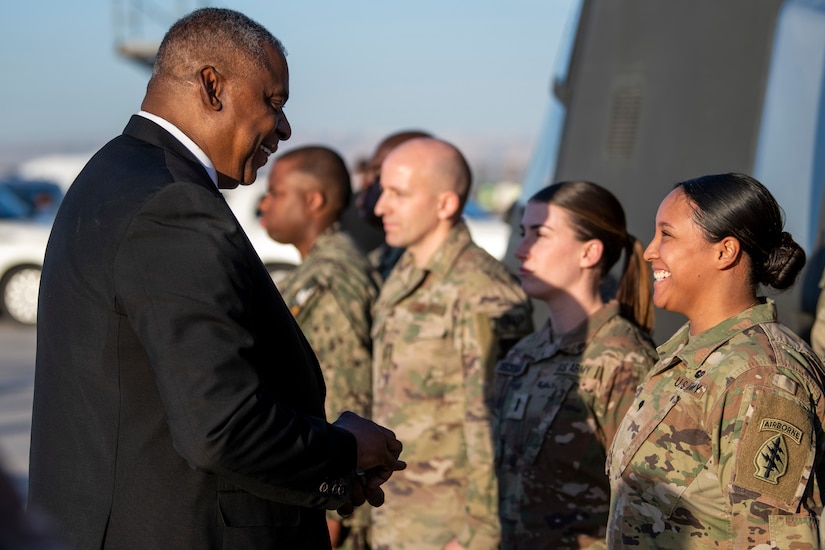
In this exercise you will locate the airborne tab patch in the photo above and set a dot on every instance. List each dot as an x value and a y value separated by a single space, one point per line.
782 427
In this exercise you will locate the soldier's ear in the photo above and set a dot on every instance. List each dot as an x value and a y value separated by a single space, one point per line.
447 205
728 252
591 253
315 200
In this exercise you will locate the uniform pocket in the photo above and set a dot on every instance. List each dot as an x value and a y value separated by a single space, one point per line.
638 424
554 400
801 532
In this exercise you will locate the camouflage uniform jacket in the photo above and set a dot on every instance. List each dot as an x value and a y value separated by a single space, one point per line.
718 449
558 403
331 294
437 334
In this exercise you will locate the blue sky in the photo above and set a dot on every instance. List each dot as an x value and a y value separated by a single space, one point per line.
467 71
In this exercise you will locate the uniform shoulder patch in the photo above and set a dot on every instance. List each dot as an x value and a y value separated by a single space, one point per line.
776 450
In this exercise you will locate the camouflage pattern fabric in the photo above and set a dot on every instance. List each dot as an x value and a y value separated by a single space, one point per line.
558 403
437 334
818 328
720 447
331 294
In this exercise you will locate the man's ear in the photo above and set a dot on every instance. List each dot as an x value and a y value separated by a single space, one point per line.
592 251
315 200
211 84
728 252
447 205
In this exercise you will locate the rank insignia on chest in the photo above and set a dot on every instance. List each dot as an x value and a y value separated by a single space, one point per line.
517 408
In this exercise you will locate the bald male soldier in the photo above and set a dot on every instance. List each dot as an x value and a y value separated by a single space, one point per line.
331 292
446 313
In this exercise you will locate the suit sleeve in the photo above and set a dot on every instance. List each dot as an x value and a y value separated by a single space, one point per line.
186 283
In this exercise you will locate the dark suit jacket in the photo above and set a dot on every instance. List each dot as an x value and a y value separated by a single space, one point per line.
177 403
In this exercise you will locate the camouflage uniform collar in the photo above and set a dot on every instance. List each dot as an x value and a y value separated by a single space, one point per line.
406 277
573 342
326 235
458 239
694 351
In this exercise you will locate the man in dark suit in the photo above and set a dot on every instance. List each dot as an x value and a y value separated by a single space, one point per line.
177 404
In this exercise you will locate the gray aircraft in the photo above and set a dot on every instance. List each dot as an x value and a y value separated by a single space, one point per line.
649 93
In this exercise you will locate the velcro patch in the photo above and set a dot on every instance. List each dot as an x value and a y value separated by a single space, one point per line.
429 309
511 369
776 449
518 406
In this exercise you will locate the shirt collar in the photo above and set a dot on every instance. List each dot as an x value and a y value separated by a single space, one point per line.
544 344
693 351
574 342
448 252
187 142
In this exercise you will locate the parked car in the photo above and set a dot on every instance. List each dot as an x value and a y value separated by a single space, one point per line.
24 232
488 231
278 258
42 197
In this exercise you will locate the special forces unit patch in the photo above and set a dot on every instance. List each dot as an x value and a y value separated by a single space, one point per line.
771 460
776 448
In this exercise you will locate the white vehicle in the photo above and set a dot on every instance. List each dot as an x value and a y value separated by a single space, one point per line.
22 246
278 258
23 238
489 232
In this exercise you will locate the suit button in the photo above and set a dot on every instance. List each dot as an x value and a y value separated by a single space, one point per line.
324 488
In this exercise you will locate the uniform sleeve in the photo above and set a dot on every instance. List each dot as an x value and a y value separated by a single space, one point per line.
485 333
766 449
345 357
624 369
341 342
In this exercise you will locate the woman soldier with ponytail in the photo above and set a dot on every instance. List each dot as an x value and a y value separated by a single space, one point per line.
561 392
722 447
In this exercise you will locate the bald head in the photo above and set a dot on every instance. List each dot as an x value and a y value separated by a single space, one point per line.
437 163
391 142
424 185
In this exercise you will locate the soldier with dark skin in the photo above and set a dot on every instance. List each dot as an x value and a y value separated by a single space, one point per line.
330 293
723 446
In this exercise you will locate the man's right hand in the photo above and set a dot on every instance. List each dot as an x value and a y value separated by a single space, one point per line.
378 452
